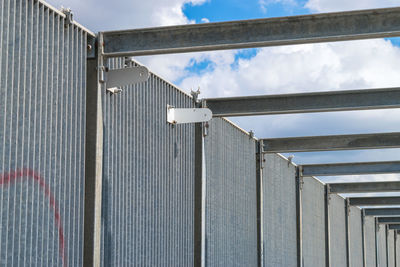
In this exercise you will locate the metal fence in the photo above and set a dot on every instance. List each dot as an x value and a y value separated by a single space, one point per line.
150 187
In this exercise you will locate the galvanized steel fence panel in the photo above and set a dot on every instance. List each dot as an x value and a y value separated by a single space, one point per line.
381 243
337 231
231 207
42 126
313 207
148 177
279 212
369 241
356 245
391 252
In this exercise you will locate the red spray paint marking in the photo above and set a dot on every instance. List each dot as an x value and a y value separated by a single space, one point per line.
16 176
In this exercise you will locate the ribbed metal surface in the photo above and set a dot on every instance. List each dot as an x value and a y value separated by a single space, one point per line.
390 240
147 214
42 126
231 215
279 212
337 231
313 206
381 239
369 239
355 224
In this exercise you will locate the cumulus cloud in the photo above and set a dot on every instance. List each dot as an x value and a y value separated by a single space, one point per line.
342 5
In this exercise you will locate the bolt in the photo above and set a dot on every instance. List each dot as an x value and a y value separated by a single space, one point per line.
89 47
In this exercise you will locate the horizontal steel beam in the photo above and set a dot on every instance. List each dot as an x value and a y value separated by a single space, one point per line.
382 212
365 187
305 102
389 220
332 142
374 201
394 226
329 27
354 168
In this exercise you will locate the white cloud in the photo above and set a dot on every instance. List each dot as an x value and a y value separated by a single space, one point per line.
342 5
205 20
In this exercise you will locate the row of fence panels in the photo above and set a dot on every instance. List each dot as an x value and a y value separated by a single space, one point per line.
148 186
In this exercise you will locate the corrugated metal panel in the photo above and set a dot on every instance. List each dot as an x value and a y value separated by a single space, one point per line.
337 231
231 215
355 224
369 239
313 207
390 240
279 212
148 178
42 126
381 239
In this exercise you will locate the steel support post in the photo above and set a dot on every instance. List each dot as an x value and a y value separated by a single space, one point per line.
199 198
299 217
347 217
376 242
327 227
259 179
93 161
395 248
363 236
387 244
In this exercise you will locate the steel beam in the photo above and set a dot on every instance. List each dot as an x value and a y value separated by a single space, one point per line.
355 168
394 226
389 220
374 201
332 142
316 28
305 102
365 187
382 212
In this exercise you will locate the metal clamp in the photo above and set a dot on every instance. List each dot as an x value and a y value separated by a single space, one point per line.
187 115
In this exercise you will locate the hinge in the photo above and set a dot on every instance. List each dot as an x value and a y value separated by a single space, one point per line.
69 16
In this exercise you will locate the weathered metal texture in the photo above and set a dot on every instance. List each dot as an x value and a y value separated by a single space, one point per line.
231 204
305 102
337 231
369 242
356 245
390 247
313 208
381 244
42 126
255 33
148 177
279 212
354 168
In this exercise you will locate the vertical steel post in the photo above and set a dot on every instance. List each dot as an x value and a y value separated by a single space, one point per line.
93 158
327 226
395 248
363 236
387 244
299 216
376 242
347 218
198 198
259 183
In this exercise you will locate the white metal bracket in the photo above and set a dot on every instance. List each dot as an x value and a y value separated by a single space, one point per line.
126 76
188 115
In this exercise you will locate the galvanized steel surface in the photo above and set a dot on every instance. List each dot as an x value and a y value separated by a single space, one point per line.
381 241
231 215
279 212
369 237
337 231
42 126
313 206
356 245
390 244
148 177
397 250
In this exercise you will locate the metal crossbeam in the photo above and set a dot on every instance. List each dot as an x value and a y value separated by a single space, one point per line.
365 187
382 212
374 201
305 102
394 226
332 142
389 220
316 28
354 168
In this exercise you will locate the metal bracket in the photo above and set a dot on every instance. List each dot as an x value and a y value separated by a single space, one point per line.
69 17
125 76
188 115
